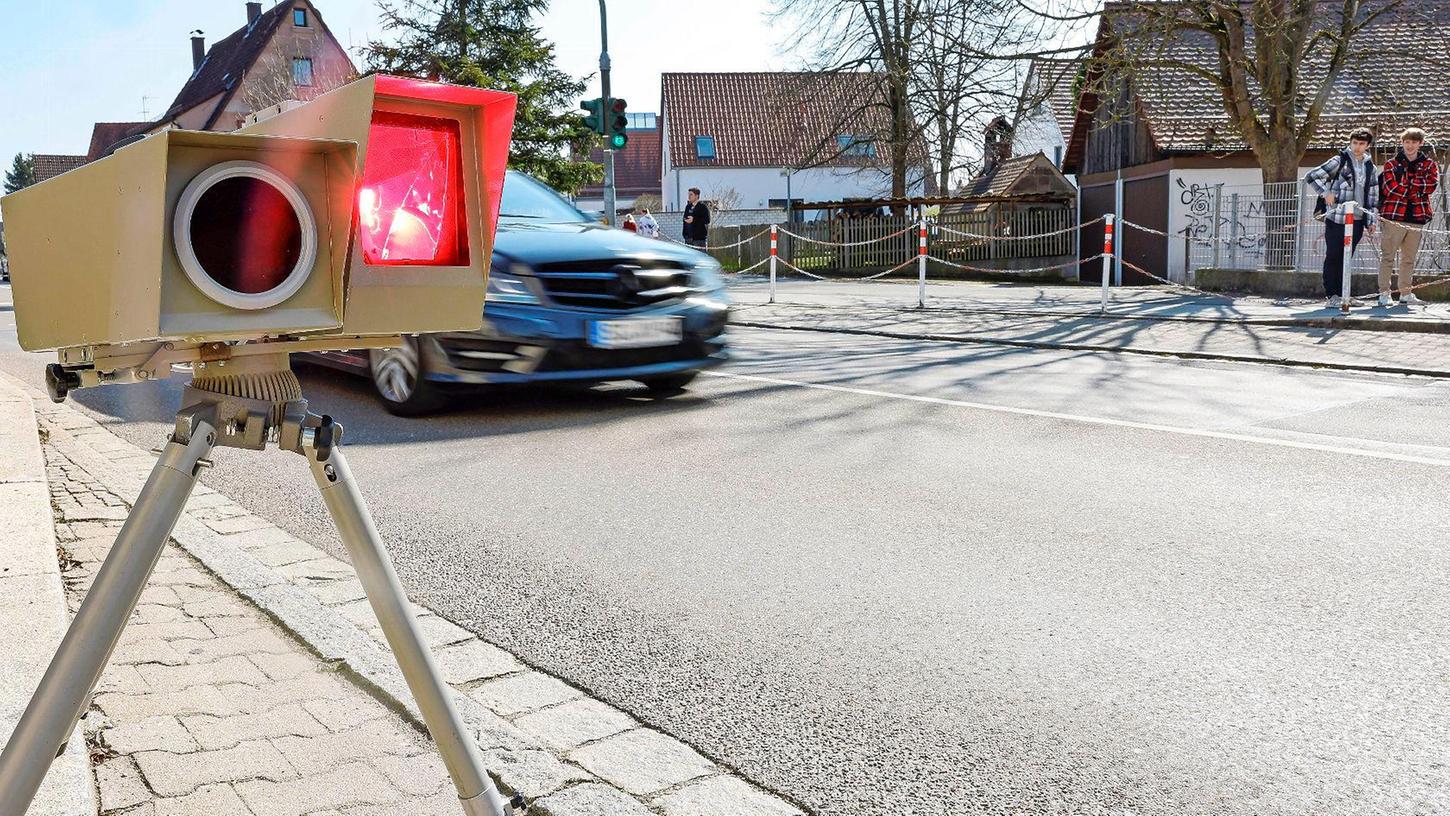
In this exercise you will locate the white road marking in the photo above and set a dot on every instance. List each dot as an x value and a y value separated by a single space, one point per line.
1092 420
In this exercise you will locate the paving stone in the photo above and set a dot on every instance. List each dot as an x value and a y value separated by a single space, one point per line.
209 646
154 650
236 669
287 552
261 537
334 593
533 773
574 723
178 774
444 803
318 569
419 775
342 714
237 524
218 606
439 632
97 512
156 613
151 734
164 595
210 800
119 784
354 783
723 796
215 733
282 667
473 660
518 693
312 755
220 700
588 799
642 761
121 679
228 627
164 631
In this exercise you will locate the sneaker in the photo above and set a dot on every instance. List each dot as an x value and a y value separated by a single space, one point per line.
1385 301
1411 299
1334 302
1353 302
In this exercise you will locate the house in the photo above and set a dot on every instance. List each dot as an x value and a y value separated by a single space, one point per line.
1162 135
285 52
636 167
1049 108
757 139
1015 197
49 165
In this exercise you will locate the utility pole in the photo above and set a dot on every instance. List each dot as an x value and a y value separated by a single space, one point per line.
609 198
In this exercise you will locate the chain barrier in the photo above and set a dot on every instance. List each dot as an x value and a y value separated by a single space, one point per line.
756 265
896 234
965 234
1031 271
1178 284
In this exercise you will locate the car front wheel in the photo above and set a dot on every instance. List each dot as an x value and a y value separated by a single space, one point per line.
666 385
399 378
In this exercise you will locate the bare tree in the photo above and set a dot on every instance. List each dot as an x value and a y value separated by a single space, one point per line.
725 198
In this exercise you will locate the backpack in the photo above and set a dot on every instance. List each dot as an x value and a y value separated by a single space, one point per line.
1320 208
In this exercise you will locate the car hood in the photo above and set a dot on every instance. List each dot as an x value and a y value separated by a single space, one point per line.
539 242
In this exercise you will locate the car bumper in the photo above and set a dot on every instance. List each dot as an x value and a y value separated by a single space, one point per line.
524 344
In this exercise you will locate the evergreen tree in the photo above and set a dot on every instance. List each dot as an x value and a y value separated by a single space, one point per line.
495 44
21 173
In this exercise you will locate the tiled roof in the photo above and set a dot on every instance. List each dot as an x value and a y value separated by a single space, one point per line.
105 134
1395 78
636 167
999 180
227 61
1051 80
777 119
52 165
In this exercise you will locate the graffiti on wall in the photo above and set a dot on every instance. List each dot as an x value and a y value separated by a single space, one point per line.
1198 208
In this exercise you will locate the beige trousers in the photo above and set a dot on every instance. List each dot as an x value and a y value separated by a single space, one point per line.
1394 237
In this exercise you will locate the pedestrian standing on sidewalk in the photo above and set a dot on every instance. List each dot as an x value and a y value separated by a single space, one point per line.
697 220
648 226
1406 184
1348 177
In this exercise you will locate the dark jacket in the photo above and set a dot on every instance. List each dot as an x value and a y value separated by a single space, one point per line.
700 228
1406 187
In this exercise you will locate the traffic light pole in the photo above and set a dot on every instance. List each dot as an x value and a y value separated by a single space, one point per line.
609 197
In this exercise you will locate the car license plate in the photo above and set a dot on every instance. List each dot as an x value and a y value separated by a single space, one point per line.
640 332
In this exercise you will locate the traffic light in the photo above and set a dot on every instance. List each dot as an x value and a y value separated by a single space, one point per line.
365 214
595 120
618 122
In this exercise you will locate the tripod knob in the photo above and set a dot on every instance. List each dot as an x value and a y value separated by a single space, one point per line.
59 382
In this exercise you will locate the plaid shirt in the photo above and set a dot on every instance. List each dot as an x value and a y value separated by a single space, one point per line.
1348 181
1407 188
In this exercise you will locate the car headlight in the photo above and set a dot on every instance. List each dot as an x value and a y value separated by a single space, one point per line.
705 277
508 287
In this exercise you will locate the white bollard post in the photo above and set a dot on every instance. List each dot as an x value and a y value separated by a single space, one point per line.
1348 256
921 265
773 252
1107 257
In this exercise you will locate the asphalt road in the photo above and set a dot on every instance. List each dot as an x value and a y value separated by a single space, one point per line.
884 576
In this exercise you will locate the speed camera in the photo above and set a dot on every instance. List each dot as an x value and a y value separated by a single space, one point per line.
346 222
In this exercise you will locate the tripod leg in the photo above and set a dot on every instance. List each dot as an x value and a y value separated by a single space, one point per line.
385 593
57 704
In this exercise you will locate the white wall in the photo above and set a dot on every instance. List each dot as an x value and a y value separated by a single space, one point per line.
756 186
1038 132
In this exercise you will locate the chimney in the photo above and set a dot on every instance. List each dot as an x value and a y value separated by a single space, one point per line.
198 49
254 10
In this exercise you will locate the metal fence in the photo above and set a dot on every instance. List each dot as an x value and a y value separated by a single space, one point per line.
1272 226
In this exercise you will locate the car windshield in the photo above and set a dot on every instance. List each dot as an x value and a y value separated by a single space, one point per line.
526 198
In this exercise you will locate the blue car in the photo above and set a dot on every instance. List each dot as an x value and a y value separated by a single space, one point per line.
569 300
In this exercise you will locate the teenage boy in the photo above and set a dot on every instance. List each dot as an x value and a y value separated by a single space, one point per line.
1348 177
1407 182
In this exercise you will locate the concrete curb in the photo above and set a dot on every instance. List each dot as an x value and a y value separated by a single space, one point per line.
33 613
1100 347
516 713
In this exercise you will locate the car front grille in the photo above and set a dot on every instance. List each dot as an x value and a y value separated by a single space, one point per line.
470 352
615 285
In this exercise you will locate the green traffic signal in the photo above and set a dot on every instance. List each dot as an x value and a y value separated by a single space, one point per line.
616 123
617 141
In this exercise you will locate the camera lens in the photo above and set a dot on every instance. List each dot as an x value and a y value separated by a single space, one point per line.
246 235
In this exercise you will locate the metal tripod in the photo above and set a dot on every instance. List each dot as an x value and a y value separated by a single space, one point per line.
242 403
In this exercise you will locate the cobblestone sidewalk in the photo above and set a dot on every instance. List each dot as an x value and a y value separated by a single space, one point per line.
253 680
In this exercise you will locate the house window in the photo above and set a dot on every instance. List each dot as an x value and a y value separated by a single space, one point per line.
302 71
299 17
854 145
704 147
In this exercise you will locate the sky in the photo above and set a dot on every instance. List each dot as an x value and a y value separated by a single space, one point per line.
108 60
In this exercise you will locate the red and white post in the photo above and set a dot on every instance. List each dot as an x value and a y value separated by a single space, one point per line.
1348 256
1107 257
774 250
921 265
